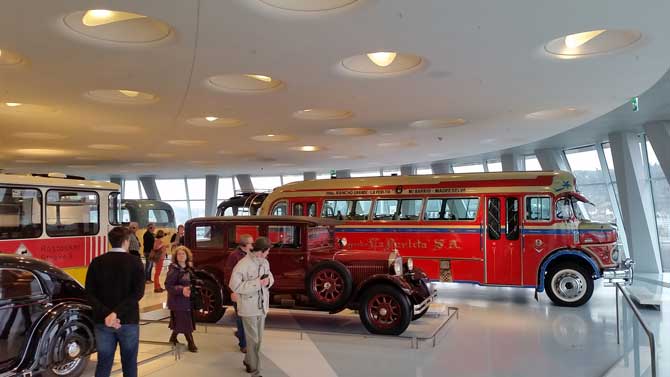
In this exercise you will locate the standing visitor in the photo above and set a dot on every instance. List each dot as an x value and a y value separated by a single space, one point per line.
245 245
251 280
178 238
178 285
148 243
157 256
114 287
134 248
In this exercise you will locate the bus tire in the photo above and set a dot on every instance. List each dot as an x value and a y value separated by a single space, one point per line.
385 310
212 302
568 284
329 285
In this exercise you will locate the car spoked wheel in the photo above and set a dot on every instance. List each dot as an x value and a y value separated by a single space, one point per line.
212 303
385 310
568 284
69 353
329 285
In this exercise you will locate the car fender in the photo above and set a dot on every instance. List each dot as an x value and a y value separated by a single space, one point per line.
37 355
573 252
393 280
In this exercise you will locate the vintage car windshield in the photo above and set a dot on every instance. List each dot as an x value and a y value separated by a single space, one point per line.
580 210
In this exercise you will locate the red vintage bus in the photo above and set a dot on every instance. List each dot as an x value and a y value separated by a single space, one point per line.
523 229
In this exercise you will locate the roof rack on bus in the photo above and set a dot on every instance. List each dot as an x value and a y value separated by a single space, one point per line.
58 175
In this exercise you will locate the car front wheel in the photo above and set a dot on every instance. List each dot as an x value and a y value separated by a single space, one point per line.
385 310
568 284
212 303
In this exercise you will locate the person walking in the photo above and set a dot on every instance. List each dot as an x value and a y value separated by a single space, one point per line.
178 286
134 248
244 246
114 287
148 244
251 280
157 256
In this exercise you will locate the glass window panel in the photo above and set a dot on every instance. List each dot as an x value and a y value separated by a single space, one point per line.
385 209
336 209
265 184
602 210
361 210
292 178
20 213
585 166
180 209
531 163
197 208
171 189
226 189
454 209
17 284
281 208
390 171
143 194
494 165
367 173
284 236
72 213
538 208
610 162
208 237
323 176
654 165
131 189
470 168
410 209
196 188
424 170
159 217
661 191
237 231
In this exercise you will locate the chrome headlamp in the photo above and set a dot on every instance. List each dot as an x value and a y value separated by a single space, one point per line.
410 264
397 266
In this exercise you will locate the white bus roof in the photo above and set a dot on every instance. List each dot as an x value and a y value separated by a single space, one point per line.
31 180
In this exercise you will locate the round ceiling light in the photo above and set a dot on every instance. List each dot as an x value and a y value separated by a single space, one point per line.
380 64
592 42
555 114
42 152
308 5
244 83
39 136
350 131
18 107
109 147
307 148
215 122
322 114
117 129
8 57
121 96
437 123
117 26
187 142
270 138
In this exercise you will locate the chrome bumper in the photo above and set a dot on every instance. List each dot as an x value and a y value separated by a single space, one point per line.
418 308
623 273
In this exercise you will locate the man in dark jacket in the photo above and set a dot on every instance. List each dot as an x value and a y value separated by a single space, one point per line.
148 243
245 246
114 287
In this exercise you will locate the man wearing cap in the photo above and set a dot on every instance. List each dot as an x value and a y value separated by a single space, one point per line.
243 248
251 280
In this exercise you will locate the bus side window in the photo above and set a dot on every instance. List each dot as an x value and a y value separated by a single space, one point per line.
512 218
410 209
279 209
452 209
311 209
72 213
538 208
361 210
297 209
336 209
385 209
493 219
20 213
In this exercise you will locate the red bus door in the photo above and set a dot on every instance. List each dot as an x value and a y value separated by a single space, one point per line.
503 241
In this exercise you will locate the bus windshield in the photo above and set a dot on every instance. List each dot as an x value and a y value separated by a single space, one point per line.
580 210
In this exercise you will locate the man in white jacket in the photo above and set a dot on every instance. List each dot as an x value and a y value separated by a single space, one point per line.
251 279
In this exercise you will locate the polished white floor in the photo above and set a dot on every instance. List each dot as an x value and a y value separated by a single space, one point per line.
500 332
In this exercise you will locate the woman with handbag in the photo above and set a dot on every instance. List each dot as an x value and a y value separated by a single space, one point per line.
178 285
158 257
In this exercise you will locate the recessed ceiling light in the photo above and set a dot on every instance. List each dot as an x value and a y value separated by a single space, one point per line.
308 5
591 42
555 114
187 143
117 26
382 59
13 104
437 123
215 122
273 138
307 148
121 96
364 66
244 83
26 108
8 57
350 131
322 114
39 136
109 147
42 152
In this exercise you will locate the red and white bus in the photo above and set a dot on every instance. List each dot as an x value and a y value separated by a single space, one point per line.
57 218
524 229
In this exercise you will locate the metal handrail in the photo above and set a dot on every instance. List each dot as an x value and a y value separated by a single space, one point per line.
650 334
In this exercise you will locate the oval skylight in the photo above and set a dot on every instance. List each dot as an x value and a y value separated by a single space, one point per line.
117 26
273 138
121 96
244 83
322 114
380 64
555 114
215 122
437 123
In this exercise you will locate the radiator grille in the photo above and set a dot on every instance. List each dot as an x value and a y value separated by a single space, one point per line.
360 272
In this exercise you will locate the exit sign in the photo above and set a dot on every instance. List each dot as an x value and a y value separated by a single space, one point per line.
635 102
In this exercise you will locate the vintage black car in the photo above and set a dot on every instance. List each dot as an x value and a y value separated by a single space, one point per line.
46 326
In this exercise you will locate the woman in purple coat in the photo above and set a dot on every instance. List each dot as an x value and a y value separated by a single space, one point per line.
178 285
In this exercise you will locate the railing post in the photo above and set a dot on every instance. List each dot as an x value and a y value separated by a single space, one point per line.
616 295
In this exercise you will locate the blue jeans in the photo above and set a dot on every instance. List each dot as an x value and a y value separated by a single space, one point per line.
106 338
148 265
241 338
